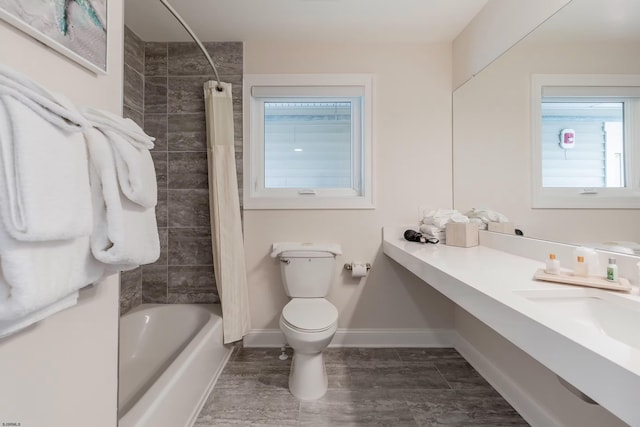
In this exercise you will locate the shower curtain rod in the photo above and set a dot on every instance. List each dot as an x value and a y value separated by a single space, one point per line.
195 39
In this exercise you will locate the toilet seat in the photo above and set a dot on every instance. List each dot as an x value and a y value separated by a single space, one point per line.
310 314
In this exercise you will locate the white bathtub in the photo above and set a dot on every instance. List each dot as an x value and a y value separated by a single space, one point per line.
170 358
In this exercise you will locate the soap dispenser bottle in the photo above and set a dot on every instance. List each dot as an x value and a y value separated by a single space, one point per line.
580 268
553 265
612 271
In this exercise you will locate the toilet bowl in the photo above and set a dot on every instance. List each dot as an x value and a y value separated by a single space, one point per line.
308 325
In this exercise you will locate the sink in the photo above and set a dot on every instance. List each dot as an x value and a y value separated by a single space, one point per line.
606 313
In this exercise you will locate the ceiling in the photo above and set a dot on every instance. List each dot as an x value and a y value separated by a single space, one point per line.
592 20
304 20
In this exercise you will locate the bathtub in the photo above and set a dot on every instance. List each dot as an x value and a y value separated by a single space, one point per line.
170 358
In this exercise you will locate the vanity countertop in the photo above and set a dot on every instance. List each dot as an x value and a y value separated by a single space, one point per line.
498 288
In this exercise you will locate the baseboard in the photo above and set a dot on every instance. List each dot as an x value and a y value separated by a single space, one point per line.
521 401
264 338
363 338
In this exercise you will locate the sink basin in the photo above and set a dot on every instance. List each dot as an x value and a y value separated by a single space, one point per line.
609 314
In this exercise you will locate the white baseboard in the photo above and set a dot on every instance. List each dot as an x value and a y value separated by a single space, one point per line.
264 338
363 338
521 401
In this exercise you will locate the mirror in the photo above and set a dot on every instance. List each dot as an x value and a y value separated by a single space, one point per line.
492 130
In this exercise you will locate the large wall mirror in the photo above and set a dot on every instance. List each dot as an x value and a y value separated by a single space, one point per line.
493 126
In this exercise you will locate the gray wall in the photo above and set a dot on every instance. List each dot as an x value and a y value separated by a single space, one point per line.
173 111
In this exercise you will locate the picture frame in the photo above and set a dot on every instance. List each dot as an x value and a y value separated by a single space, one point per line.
76 29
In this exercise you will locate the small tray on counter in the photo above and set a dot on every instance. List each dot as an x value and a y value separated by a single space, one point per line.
622 285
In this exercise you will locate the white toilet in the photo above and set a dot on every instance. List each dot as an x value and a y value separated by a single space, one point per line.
308 321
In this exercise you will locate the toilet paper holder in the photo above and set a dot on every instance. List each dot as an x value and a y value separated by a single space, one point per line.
349 267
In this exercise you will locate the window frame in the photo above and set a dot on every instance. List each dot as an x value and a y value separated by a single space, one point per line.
261 88
587 86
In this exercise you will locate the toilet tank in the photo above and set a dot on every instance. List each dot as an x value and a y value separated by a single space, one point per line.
307 274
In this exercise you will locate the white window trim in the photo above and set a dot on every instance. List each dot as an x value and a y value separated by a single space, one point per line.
293 199
571 198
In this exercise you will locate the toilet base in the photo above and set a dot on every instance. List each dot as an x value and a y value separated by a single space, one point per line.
308 376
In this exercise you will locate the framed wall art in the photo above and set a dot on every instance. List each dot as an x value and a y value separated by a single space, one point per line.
74 28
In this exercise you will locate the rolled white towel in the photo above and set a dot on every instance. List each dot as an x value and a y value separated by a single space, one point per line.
44 180
457 217
441 217
125 234
487 215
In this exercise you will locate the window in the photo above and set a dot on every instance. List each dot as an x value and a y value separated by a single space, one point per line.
586 141
309 142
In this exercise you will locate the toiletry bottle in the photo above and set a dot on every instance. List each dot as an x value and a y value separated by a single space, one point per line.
612 270
553 265
580 269
590 259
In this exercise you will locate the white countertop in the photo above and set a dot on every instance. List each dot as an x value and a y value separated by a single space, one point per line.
485 282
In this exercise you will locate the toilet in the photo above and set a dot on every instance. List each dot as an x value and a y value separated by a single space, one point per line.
308 321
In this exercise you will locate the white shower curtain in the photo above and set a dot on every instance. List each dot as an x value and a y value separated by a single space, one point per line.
226 227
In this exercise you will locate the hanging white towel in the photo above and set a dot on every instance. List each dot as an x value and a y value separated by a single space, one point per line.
127 128
54 107
38 279
136 173
134 165
125 234
44 182
8 327
66 118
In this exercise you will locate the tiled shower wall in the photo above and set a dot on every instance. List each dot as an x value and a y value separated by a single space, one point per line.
173 111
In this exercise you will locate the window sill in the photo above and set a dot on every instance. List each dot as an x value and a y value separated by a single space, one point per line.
307 202
595 201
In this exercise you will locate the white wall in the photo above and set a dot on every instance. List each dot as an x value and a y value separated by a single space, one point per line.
63 371
412 138
542 399
498 26
492 123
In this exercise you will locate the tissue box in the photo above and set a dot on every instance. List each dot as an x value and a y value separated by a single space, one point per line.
502 227
464 235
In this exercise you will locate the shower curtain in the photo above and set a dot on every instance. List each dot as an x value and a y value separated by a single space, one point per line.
226 226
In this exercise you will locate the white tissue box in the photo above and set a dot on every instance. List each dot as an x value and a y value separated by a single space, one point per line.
464 235
502 227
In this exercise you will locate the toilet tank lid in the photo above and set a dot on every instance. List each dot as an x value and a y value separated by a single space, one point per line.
280 247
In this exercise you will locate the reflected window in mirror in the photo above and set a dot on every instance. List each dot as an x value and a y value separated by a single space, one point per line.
586 141
583 142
